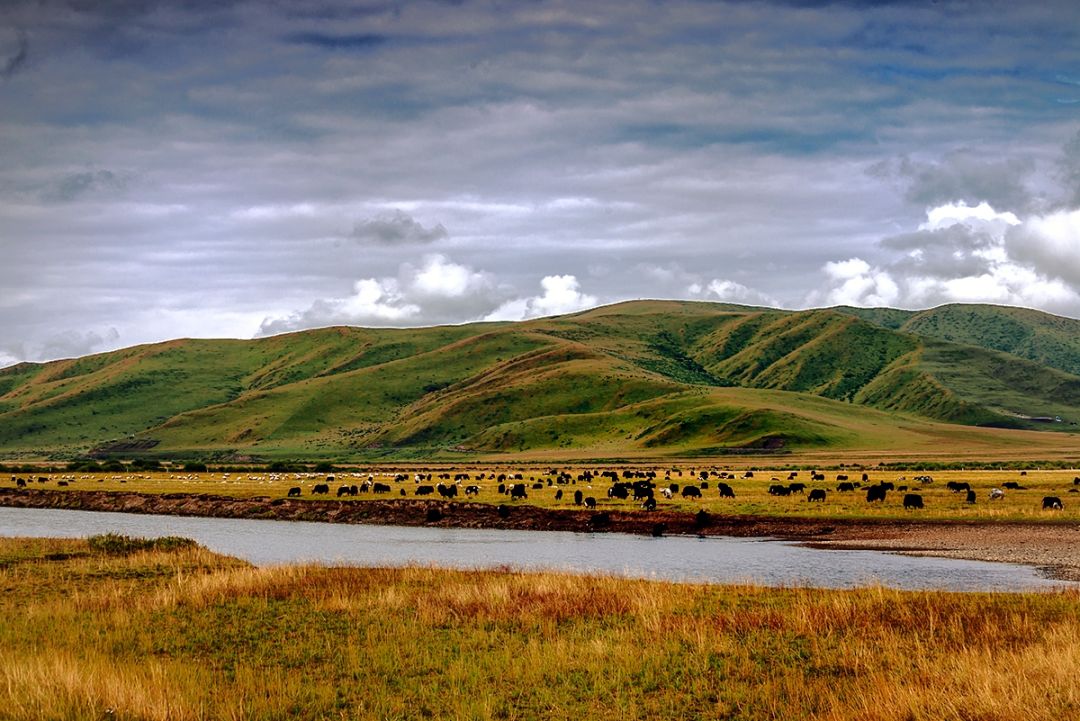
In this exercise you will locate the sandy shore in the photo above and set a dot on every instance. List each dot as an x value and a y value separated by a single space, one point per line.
1053 548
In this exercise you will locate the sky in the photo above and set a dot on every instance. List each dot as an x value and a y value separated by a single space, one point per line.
206 168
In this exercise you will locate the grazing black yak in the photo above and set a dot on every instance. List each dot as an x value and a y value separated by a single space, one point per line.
912 501
875 493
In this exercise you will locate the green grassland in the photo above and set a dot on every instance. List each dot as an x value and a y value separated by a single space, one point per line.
112 629
637 379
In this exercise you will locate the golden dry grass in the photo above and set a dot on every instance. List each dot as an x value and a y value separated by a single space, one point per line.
187 635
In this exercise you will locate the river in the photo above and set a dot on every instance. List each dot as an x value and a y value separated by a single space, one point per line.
676 558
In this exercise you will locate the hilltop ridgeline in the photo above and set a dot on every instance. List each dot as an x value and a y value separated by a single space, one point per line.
644 377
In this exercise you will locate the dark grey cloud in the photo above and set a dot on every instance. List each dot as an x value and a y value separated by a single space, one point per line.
90 182
859 4
1050 244
362 41
74 343
14 62
116 10
64 344
1069 169
956 251
339 11
397 228
967 175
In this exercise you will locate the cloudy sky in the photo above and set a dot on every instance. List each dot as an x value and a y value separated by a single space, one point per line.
236 169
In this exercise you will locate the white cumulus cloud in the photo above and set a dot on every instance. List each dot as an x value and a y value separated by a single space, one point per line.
981 215
561 294
1050 244
381 299
437 291
967 254
733 292
441 278
855 282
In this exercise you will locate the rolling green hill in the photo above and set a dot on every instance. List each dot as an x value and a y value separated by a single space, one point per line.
639 378
1047 339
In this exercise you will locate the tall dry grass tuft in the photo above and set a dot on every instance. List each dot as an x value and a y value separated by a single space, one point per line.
522 598
980 683
55 685
200 590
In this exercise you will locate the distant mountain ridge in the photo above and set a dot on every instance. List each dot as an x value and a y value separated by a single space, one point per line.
660 377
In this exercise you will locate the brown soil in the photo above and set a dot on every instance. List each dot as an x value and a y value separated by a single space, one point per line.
1053 548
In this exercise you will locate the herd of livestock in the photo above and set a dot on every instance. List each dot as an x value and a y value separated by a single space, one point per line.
644 486
640 486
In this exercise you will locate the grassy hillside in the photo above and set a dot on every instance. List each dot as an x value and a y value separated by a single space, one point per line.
1049 340
891 318
646 377
818 352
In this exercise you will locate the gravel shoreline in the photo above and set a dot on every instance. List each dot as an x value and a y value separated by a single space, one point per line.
1053 549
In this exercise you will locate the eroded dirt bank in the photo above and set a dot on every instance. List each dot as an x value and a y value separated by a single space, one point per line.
1054 548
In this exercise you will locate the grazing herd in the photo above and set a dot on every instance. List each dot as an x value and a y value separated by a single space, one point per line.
645 488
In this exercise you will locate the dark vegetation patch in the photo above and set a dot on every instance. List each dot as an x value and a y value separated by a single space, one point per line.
114 544
673 362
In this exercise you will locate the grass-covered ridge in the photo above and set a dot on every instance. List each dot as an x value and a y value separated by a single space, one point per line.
656 377
182 634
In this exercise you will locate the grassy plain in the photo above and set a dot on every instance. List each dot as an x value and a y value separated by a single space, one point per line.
751 494
93 631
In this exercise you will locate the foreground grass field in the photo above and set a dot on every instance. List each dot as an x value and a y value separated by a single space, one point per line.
118 630
752 496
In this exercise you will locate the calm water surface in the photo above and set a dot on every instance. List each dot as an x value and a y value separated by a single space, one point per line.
707 560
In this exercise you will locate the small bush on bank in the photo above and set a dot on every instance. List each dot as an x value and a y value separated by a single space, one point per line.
115 544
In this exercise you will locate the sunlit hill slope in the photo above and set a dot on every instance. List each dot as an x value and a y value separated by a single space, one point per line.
640 378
